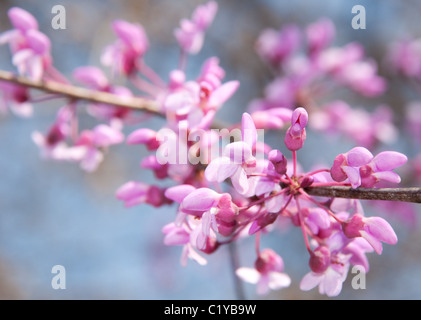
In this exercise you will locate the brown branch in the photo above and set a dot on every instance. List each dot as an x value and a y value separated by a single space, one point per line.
79 93
390 194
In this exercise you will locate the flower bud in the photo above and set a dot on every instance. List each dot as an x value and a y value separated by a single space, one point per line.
279 161
319 259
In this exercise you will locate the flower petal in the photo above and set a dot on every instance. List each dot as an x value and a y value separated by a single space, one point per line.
239 181
220 169
202 199
310 280
249 275
278 280
178 193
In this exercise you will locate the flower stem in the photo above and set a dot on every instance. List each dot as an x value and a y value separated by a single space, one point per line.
239 289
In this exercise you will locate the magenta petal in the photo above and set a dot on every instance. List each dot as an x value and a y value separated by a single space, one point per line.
353 175
239 181
319 217
105 135
310 280
220 169
248 130
178 193
22 19
143 135
389 160
373 241
202 199
275 204
175 235
132 193
238 152
263 284
278 280
8 36
38 41
91 76
332 283
223 93
381 229
389 176
358 157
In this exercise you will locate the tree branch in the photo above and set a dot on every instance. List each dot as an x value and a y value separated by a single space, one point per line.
79 93
137 103
390 194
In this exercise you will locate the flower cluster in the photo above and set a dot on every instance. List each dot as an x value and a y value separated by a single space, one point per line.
309 69
242 187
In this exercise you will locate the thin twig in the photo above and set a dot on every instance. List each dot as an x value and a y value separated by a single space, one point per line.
79 93
390 194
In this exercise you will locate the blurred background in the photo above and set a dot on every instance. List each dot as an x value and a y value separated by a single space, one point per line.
56 214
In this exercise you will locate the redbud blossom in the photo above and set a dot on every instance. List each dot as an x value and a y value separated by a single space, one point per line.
296 134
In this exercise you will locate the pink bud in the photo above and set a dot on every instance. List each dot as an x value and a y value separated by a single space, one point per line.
353 226
296 134
144 136
279 161
22 19
319 259
269 261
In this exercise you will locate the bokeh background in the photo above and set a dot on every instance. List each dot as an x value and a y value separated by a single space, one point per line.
54 213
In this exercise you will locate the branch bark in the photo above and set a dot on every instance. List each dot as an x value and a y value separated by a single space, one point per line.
79 93
390 194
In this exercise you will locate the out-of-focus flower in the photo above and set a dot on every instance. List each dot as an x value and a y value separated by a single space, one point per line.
16 98
267 273
124 55
191 33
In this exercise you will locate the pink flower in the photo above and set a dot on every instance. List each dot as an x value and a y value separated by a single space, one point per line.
267 273
380 168
362 169
131 45
94 78
30 47
329 282
276 46
320 35
274 118
296 134
217 212
16 98
362 77
91 144
357 124
278 160
33 57
134 193
184 236
405 57
191 33
238 159
373 229
413 120
22 22
347 165
144 136
53 144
